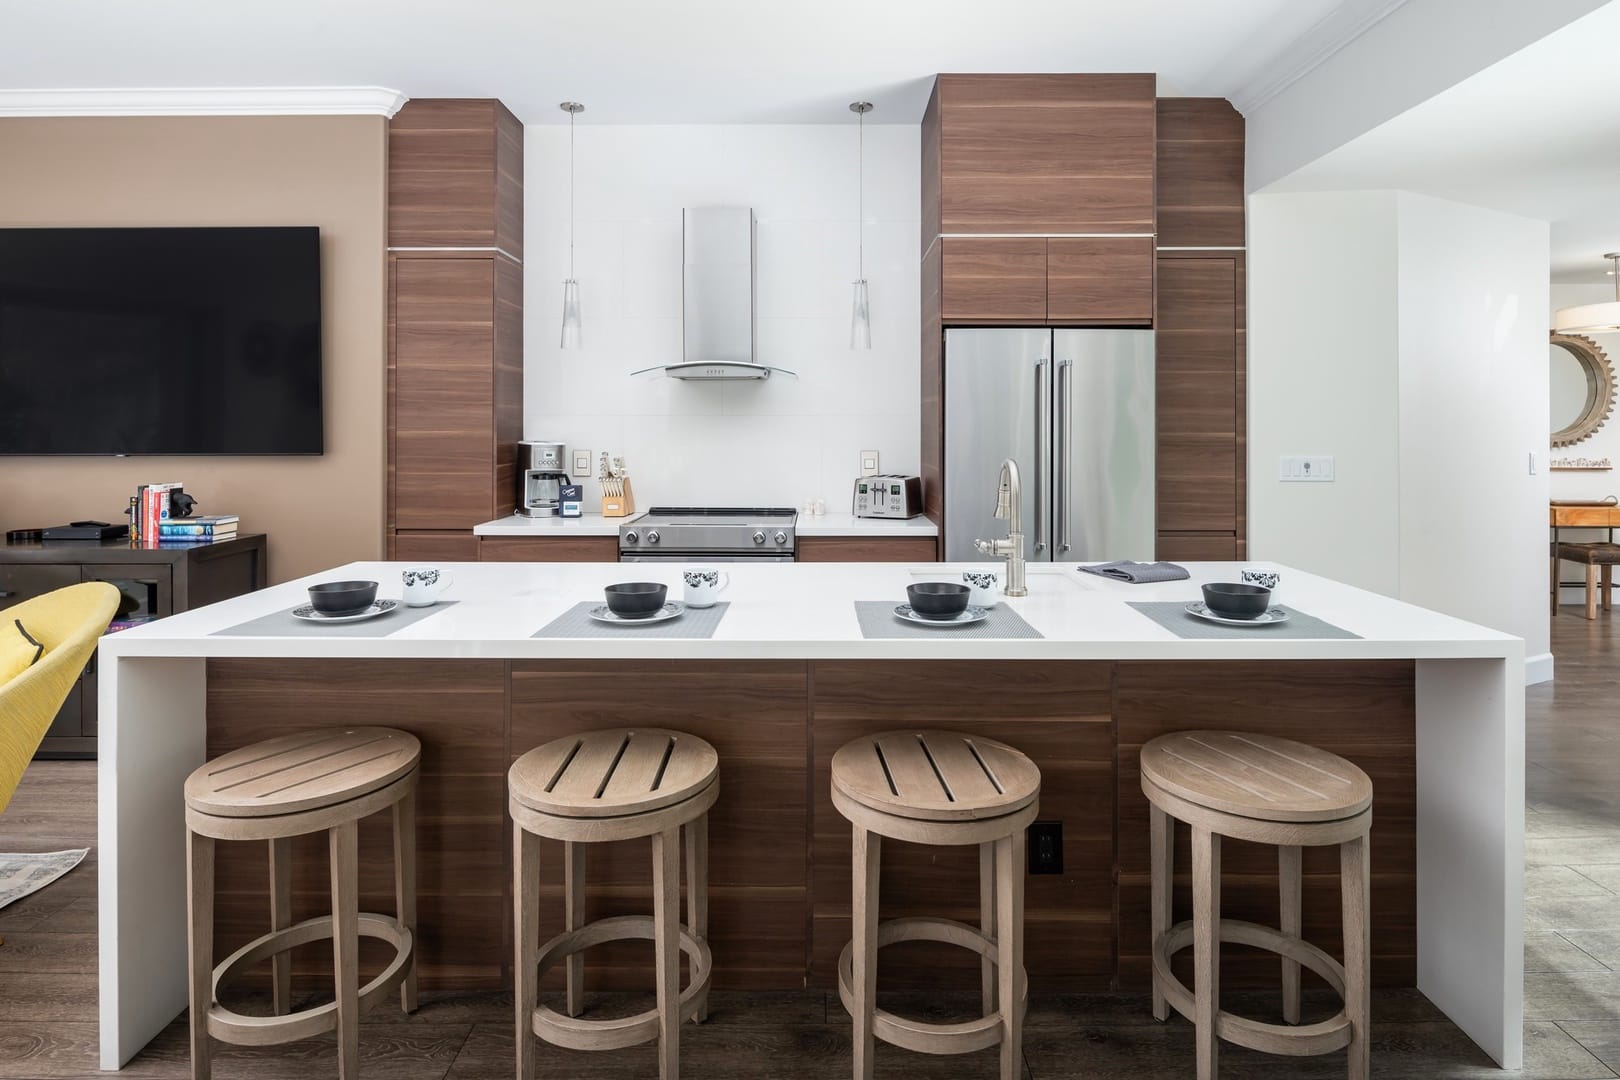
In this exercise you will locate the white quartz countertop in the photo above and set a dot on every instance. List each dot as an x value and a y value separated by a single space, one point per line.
806 611
808 525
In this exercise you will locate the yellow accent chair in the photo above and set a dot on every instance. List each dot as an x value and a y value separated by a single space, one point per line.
68 623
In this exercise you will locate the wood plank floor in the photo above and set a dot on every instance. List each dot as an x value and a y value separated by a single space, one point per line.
1572 961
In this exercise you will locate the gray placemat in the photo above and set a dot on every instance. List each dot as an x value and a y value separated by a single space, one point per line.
576 622
878 620
282 624
1172 615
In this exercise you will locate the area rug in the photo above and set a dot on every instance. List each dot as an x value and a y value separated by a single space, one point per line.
31 871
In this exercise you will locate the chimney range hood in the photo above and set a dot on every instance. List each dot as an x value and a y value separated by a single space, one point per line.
717 290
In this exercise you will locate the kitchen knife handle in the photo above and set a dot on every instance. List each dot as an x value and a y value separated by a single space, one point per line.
1064 435
1043 451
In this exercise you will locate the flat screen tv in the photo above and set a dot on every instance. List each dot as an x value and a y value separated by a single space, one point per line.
160 341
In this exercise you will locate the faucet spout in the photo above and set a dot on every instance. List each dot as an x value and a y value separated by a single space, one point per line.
1009 508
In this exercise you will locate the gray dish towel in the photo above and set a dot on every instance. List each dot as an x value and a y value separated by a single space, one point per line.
1138 573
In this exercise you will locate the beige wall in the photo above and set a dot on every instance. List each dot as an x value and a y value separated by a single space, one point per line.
330 171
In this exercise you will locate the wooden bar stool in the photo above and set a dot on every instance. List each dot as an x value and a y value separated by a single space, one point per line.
1268 791
319 781
621 784
1598 559
945 788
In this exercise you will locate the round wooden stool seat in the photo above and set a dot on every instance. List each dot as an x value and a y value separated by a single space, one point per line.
943 788
1266 790
617 784
316 781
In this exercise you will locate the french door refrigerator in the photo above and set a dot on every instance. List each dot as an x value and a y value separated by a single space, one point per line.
1074 409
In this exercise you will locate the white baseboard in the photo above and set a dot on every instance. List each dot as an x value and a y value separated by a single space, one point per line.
1538 669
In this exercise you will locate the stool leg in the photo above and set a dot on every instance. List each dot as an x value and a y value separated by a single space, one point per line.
280 919
405 887
1206 853
1591 591
987 922
1354 872
1288 902
1010 950
574 914
1555 584
667 948
344 841
526 938
697 888
863 978
200 938
1162 885
1608 585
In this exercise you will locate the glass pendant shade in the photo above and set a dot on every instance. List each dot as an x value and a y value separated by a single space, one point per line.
570 314
1593 318
860 319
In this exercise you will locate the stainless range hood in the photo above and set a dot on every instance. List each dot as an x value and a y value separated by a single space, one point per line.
717 292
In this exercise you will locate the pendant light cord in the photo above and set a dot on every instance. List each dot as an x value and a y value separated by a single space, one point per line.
860 197
571 115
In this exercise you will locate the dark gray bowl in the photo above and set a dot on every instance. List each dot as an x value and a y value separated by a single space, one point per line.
342 597
636 599
938 599
1236 601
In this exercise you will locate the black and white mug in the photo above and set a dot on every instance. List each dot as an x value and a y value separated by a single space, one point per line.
423 584
704 586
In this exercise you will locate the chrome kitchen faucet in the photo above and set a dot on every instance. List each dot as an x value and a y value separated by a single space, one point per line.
1009 508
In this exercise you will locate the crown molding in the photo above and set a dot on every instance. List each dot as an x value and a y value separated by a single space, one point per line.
206 101
1311 50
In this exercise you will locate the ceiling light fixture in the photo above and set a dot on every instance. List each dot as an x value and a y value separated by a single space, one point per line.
860 314
1593 318
570 313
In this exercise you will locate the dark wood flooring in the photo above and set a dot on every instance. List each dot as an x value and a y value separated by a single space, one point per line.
1572 961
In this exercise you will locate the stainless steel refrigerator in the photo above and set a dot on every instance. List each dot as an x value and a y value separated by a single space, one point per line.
1074 408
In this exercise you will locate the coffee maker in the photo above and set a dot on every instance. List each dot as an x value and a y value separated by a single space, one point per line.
541 474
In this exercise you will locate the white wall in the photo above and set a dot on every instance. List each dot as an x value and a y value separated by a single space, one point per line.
779 442
1405 335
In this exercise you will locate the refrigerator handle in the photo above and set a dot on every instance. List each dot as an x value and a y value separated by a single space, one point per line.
1065 393
1043 449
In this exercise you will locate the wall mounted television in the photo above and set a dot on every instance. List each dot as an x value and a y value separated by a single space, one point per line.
160 341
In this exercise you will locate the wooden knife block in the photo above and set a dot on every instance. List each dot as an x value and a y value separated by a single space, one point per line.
617 499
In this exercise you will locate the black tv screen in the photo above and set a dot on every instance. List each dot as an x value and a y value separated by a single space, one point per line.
160 341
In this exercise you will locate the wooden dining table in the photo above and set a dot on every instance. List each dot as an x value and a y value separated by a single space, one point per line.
1578 516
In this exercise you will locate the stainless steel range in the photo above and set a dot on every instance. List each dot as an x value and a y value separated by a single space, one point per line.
713 534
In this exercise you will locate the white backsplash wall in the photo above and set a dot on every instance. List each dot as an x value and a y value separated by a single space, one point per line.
778 442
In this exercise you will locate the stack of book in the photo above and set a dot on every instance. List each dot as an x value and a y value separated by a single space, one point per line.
202 529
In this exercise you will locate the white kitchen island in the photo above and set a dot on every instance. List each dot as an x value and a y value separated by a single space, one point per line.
1465 688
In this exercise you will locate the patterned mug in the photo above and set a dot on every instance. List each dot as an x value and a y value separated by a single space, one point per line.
423 584
984 584
704 586
1260 575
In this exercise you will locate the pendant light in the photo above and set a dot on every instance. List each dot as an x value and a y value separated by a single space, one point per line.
860 312
570 312
1593 318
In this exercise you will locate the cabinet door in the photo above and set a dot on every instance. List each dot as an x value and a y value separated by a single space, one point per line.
24 581
1196 337
1046 153
1099 279
444 440
993 281
549 548
435 547
867 549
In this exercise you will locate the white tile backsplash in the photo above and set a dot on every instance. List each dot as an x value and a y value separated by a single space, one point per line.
776 442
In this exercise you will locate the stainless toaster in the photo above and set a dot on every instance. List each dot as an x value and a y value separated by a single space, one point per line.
890 496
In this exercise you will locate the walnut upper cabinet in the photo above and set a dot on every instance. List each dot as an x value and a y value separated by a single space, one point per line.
455 233
1040 190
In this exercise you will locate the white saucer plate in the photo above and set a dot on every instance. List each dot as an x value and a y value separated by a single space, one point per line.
967 617
671 610
1270 618
308 613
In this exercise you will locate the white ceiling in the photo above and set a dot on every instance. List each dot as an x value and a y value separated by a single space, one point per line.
1537 134
651 61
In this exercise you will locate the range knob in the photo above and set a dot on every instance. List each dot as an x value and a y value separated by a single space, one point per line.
759 538
780 537
652 536
632 537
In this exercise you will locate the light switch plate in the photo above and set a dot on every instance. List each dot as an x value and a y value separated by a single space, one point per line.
869 462
1306 468
582 463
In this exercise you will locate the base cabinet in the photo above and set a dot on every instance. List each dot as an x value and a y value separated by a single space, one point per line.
548 549
867 549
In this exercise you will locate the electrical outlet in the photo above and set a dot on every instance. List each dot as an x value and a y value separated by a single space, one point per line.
1045 844
869 462
1314 468
582 463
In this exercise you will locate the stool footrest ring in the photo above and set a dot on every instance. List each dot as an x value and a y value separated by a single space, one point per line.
927 1038
578 1034
1303 1040
243 1030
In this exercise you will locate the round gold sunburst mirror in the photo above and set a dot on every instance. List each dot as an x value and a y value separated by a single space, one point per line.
1581 388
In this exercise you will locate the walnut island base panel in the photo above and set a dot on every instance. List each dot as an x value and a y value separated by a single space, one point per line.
1430 707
